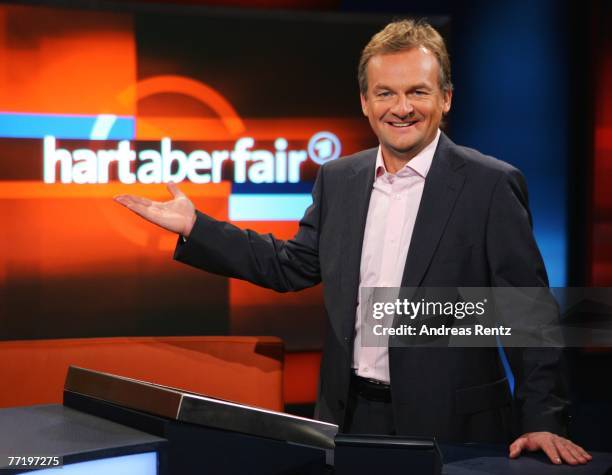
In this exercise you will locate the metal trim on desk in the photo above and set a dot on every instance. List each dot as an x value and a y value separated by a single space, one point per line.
184 406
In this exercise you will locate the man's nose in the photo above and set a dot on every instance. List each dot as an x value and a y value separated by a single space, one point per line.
403 106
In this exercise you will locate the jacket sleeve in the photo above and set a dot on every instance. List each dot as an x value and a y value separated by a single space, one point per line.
222 248
540 391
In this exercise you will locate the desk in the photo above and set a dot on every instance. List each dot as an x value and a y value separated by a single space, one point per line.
470 459
78 436
55 430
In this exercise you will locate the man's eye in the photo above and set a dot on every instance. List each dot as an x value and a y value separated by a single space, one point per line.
383 94
420 92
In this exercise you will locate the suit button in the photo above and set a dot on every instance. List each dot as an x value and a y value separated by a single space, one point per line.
340 404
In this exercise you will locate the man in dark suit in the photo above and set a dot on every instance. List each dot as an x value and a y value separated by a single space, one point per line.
416 211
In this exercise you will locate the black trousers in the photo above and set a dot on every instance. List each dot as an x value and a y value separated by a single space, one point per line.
366 415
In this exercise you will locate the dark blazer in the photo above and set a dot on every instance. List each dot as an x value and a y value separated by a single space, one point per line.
473 228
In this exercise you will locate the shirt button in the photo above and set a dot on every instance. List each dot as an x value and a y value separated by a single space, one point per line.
398 197
365 370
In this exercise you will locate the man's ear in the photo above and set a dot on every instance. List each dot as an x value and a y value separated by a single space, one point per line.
448 99
364 104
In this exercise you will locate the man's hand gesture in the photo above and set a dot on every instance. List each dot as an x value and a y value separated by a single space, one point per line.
176 215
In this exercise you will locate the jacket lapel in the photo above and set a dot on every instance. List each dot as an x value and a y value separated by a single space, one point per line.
356 202
442 187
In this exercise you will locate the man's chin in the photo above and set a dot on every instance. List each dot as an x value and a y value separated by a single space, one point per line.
403 150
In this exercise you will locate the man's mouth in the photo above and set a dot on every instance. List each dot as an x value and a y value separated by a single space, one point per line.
400 125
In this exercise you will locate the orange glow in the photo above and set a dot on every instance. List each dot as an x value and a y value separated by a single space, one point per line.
195 89
189 128
37 189
80 71
301 377
92 234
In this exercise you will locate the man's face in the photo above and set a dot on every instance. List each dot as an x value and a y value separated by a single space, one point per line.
404 102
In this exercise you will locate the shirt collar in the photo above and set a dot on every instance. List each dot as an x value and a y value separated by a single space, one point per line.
420 163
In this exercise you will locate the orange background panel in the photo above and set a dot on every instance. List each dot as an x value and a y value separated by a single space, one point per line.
154 127
242 369
301 377
225 112
69 229
82 70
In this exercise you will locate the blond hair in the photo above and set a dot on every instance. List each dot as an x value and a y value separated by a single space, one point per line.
401 35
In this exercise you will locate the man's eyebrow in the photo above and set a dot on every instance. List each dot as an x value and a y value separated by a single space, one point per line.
411 88
421 86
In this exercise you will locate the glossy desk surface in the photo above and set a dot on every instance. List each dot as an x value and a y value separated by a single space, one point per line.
55 430
482 459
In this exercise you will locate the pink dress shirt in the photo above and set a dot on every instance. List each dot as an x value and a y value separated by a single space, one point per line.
391 215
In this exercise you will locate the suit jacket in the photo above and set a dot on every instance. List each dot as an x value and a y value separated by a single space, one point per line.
473 228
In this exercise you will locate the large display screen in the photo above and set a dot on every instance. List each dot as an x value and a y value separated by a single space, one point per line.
241 108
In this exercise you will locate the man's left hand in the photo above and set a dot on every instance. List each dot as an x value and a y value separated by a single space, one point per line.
557 448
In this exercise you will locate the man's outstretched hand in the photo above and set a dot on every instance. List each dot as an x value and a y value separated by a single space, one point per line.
557 448
176 215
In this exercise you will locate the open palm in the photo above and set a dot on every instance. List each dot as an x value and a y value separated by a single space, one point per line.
176 215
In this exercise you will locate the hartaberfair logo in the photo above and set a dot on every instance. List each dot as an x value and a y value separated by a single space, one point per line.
251 163
170 164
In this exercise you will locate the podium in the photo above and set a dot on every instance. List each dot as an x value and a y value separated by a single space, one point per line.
204 434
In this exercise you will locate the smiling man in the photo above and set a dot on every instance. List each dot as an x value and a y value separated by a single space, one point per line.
416 211
404 94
